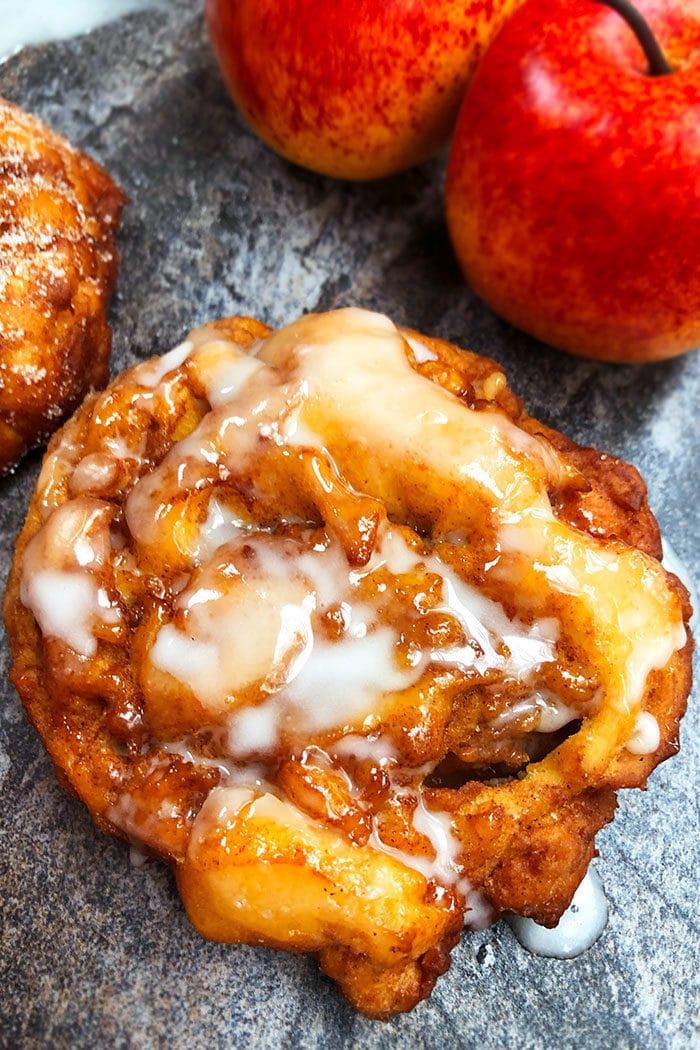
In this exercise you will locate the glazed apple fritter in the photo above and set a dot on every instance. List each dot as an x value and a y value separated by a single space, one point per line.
325 619
59 216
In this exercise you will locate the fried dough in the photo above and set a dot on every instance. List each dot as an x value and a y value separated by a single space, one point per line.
326 620
59 216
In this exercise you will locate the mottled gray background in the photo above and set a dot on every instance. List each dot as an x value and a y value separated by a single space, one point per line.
96 953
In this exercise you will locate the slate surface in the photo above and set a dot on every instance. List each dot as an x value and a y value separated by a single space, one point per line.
98 953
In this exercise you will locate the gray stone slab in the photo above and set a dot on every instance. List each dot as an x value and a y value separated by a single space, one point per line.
96 953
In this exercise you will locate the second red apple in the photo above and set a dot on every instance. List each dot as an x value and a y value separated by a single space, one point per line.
357 89
573 190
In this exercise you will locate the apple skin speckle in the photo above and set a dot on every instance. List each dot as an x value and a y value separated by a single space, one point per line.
358 89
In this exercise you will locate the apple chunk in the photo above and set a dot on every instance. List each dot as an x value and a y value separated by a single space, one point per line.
259 871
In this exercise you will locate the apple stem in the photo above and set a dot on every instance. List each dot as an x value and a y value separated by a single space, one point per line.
658 63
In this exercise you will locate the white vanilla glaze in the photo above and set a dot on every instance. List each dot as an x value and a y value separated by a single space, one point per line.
248 636
152 373
484 621
646 735
578 929
67 605
378 750
61 569
227 801
421 352
636 623
437 828
220 527
279 401
329 374
552 713
224 377
274 590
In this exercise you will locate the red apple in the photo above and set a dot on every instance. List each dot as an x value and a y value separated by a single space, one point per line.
352 88
573 190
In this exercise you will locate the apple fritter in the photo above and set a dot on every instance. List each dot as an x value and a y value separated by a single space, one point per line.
325 619
59 216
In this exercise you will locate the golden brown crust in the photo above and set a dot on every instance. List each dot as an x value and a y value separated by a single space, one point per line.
59 216
380 992
527 840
